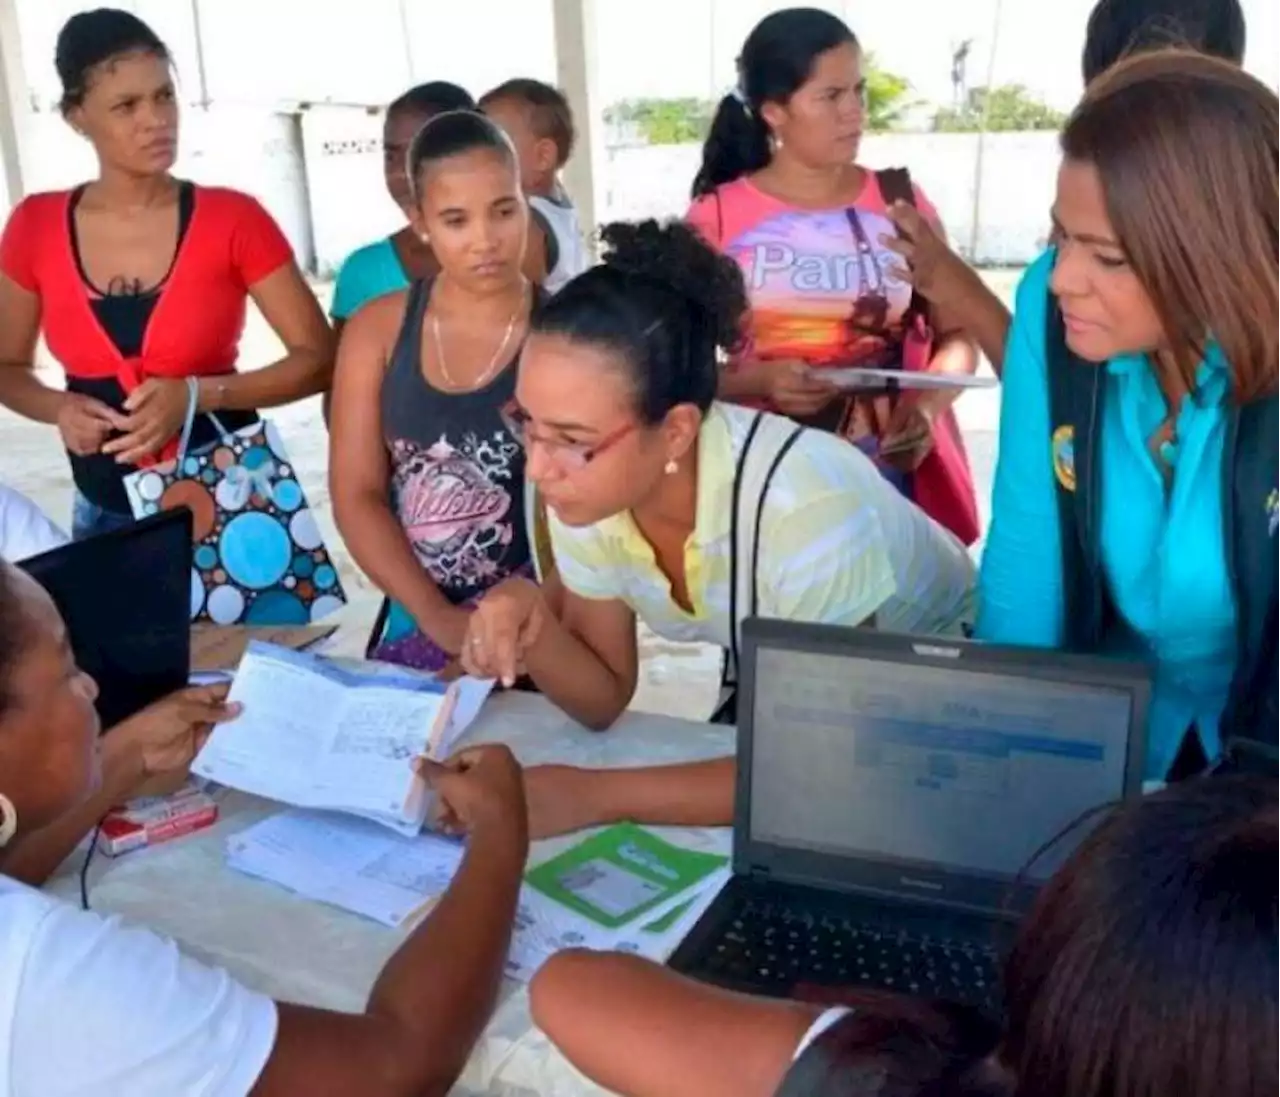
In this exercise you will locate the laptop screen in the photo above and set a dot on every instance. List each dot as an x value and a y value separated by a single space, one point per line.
126 599
918 764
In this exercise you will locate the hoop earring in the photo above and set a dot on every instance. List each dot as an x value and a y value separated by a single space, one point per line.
670 468
8 820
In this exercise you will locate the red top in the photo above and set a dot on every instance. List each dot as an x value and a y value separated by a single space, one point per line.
192 329
231 244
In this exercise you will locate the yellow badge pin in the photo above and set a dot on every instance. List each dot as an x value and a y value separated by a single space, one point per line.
1063 447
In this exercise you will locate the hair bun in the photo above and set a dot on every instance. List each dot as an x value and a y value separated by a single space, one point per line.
673 255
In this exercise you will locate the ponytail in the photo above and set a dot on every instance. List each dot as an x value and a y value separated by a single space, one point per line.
777 60
737 144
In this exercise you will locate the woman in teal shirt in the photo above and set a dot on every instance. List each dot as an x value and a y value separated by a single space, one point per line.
1138 423
390 264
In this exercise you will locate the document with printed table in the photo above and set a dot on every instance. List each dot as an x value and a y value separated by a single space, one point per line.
347 862
315 733
623 889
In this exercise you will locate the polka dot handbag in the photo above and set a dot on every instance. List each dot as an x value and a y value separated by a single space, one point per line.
258 555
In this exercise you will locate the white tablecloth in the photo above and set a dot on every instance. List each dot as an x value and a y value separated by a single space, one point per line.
306 952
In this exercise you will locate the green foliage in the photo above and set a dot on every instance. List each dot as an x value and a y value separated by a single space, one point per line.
889 97
1010 107
664 121
686 121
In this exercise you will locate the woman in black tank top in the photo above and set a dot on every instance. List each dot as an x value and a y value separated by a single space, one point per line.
428 482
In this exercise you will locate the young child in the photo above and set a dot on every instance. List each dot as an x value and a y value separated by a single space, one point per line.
537 118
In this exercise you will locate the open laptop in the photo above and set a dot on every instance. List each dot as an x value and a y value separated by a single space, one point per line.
892 791
126 599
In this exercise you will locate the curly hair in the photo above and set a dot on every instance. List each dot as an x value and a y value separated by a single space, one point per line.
665 302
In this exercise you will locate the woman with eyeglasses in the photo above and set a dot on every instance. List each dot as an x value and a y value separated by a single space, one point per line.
428 482
637 464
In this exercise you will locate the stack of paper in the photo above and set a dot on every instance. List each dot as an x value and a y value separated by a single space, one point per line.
317 734
350 863
623 889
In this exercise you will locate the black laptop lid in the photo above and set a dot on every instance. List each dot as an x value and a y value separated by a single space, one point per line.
126 599
923 767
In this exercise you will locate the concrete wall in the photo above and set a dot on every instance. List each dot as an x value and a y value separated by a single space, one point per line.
1018 171
319 172
243 147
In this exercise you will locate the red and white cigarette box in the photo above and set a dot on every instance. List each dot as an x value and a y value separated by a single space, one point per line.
149 822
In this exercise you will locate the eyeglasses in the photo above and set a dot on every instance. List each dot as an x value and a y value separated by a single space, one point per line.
569 456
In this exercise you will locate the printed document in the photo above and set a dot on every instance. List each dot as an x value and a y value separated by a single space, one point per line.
317 734
392 879
349 863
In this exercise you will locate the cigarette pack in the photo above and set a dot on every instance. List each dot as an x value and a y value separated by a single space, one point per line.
149 822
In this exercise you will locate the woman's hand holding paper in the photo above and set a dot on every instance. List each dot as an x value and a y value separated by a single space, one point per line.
478 788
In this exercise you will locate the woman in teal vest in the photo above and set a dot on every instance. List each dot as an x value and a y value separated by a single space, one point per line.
1134 507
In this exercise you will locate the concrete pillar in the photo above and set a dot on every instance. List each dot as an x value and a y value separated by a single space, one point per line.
14 107
576 73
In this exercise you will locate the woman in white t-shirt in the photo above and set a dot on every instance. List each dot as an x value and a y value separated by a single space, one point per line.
90 1005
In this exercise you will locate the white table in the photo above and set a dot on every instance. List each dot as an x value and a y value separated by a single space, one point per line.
301 951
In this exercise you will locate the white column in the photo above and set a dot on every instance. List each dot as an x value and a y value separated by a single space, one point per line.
576 54
14 108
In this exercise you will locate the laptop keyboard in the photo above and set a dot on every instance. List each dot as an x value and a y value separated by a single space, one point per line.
774 947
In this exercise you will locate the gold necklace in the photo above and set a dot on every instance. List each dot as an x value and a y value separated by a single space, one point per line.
489 370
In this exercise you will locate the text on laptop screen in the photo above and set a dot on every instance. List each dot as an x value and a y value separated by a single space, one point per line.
958 769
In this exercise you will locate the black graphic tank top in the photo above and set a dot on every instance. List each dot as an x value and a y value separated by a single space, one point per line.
457 484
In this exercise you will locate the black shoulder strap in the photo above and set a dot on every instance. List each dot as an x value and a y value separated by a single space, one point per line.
768 441
896 186
729 671
1250 493
552 241
379 627
1075 405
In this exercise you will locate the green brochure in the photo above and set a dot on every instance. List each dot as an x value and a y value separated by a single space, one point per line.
664 922
614 877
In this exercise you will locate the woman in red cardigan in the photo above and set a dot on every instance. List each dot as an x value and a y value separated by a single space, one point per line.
139 281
